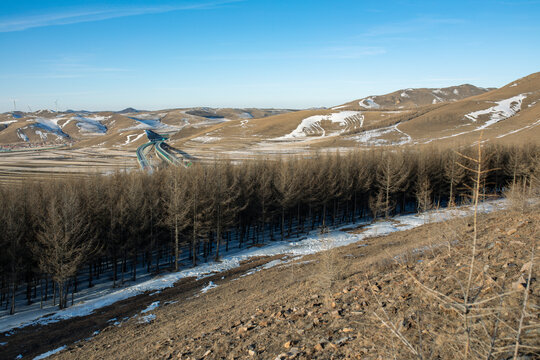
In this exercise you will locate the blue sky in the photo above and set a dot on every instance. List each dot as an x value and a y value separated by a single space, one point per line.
108 55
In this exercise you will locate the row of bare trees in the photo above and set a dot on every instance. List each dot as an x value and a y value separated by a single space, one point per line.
55 235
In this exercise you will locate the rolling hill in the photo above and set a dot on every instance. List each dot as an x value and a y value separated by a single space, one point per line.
405 117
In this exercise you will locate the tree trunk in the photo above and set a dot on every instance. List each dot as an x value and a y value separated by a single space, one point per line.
61 295
14 289
115 271
90 275
176 243
282 223
218 235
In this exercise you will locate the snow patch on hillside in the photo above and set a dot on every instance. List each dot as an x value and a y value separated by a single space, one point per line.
41 134
245 115
502 110
22 135
440 92
383 137
368 103
520 129
210 286
48 125
206 139
130 140
151 307
90 125
151 122
312 125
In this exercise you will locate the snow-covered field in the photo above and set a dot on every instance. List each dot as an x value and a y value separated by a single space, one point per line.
102 295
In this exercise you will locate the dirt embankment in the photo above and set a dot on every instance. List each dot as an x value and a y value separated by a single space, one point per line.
401 295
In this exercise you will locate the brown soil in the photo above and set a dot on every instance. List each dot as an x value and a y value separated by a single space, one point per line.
334 304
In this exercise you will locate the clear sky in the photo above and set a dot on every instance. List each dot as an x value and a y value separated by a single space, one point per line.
108 55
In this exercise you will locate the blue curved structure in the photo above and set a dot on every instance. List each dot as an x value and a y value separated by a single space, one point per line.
158 142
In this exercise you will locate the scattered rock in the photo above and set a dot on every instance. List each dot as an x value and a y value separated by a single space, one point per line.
293 352
526 267
319 347
287 345
511 232
520 284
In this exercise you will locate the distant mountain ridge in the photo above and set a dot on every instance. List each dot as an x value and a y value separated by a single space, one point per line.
413 98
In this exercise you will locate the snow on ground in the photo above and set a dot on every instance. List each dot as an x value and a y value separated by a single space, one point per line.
137 137
312 243
244 123
409 139
440 92
245 115
147 116
147 319
151 307
456 92
90 125
369 104
404 94
49 353
49 126
22 135
437 99
503 110
151 122
312 124
376 137
210 285
339 107
206 139
41 134
520 129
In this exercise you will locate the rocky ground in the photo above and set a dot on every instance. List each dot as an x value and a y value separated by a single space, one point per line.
398 296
